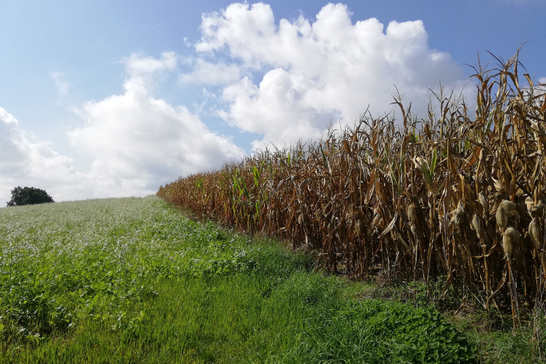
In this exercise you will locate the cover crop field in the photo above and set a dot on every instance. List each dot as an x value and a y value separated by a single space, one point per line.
134 281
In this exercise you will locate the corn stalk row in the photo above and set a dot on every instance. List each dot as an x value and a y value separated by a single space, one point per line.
447 195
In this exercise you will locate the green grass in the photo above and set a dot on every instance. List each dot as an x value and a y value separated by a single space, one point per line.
134 281
503 344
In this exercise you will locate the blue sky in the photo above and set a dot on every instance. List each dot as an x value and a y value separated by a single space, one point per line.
114 98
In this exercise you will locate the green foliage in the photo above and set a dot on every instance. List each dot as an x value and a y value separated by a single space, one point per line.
337 330
384 332
28 196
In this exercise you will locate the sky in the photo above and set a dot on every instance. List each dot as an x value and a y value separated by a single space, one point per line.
109 98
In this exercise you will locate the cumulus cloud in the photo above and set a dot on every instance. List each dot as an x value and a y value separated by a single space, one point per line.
281 108
139 142
138 65
33 164
322 71
211 73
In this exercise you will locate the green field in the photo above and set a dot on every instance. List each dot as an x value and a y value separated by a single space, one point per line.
134 281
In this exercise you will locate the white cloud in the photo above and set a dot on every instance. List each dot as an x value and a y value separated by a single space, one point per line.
33 164
321 71
138 65
139 142
281 108
211 73
540 86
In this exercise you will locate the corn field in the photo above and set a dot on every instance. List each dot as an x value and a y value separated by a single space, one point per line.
453 194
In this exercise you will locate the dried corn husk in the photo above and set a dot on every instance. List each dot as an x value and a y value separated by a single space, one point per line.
535 231
505 210
510 239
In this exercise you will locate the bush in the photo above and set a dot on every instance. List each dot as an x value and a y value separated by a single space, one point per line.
28 196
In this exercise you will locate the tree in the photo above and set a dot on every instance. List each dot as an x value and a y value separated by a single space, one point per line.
28 196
